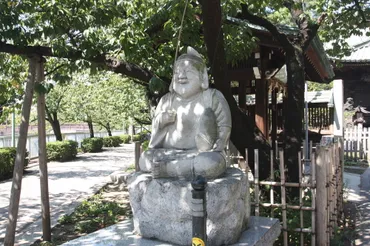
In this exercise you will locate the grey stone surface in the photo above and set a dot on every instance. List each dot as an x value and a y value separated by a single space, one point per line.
162 208
263 233
191 126
69 183
363 223
119 177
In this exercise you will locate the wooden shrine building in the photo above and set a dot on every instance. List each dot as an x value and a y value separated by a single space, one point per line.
262 74
354 70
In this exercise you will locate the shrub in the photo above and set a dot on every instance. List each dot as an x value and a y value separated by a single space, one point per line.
144 135
92 144
7 159
136 138
145 145
125 138
61 150
112 141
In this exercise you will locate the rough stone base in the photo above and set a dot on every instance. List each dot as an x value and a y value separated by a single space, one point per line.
261 232
162 208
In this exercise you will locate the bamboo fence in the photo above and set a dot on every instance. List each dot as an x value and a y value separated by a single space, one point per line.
323 182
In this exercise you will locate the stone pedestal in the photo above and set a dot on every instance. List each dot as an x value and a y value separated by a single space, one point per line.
162 208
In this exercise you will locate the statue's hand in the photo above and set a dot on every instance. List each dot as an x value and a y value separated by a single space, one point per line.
168 117
218 146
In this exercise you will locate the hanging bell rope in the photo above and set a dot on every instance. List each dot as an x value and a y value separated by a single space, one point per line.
181 25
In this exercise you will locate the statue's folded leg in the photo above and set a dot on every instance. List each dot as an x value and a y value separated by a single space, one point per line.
168 163
164 163
209 164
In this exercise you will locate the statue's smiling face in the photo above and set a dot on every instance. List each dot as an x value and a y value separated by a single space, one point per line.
187 81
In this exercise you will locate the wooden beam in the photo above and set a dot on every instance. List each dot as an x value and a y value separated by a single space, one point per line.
274 120
242 89
240 74
15 193
44 184
262 97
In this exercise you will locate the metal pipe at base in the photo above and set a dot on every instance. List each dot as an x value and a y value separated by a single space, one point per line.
199 208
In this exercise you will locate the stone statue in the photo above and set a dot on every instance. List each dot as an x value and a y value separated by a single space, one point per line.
348 105
191 126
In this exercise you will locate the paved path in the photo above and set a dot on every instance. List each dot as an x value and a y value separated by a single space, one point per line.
363 222
69 184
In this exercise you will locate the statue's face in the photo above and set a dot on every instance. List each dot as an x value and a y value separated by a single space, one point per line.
187 81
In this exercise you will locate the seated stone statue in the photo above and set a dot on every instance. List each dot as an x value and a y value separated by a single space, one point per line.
191 126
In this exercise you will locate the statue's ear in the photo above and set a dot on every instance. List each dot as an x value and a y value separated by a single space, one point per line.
171 85
205 82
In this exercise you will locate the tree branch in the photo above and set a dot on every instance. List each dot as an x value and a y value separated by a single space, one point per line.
312 31
254 19
307 29
54 69
128 69
360 10
142 122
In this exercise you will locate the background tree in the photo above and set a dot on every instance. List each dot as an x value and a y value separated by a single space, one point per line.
106 99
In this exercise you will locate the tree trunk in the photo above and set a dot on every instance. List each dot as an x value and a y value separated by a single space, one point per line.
54 122
56 128
109 130
91 128
244 132
293 113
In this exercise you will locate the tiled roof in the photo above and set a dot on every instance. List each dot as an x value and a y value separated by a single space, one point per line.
312 97
320 58
360 53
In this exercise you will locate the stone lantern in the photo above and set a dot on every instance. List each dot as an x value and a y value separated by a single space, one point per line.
358 117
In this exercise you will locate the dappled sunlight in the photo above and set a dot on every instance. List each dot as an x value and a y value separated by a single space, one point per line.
69 183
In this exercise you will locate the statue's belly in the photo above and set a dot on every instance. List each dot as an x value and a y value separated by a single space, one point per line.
181 134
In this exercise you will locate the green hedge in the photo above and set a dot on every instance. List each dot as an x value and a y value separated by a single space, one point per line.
112 141
136 138
92 144
7 159
145 145
125 138
61 150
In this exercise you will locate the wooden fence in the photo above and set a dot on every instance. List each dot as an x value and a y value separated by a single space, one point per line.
320 202
357 143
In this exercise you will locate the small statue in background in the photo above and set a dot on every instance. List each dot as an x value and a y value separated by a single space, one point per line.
191 127
348 105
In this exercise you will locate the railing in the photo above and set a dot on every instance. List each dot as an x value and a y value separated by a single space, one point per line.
33 145
357 143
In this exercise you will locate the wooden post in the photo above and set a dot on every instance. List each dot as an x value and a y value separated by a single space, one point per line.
313 194
45 206
256 183
272 180
301 194
137 155
19 160
321 197
274 121
242 90
283 197
368 145
262 97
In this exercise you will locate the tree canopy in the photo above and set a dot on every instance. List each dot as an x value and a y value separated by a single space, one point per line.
139 39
